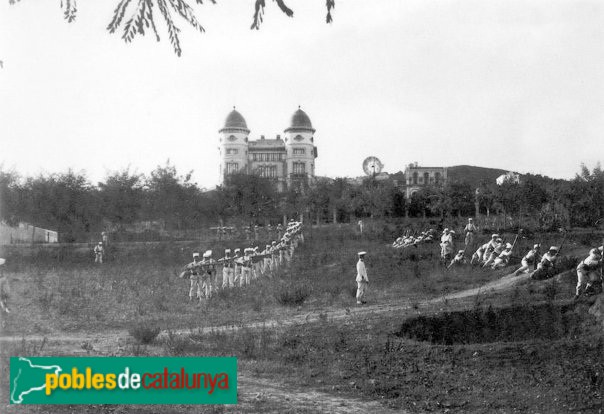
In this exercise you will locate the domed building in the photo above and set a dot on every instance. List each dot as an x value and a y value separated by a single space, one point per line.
288 161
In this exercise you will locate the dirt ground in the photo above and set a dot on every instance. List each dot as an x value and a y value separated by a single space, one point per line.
267 385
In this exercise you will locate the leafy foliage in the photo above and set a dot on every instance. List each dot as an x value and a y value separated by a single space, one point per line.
69 203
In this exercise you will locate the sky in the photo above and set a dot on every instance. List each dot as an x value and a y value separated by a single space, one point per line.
508 84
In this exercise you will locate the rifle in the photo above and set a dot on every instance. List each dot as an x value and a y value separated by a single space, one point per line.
563 241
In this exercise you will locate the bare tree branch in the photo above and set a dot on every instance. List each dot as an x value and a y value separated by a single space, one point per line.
142 16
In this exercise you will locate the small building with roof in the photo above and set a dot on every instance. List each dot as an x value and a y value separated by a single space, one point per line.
287 160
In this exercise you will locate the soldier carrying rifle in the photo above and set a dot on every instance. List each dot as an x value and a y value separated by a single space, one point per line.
193 272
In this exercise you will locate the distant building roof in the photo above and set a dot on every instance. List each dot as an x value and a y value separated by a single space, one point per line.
271 144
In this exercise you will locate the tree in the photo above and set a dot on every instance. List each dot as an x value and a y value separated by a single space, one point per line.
251 197
137 17
9 196
122 197
171 197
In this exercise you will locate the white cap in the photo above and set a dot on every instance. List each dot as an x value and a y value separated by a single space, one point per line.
445 230
470 219
554 248
452 231
499 240
362 253
237 250
100 242
195 254
536 246
461 251
508 246
208 253
227 251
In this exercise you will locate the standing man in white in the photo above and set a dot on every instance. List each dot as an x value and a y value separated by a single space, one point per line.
362 280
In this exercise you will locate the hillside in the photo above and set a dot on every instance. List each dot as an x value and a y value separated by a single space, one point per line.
473 175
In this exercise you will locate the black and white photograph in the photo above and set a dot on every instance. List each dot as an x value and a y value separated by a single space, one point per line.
301 206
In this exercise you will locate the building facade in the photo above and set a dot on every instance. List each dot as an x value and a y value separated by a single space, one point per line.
417 177
287 161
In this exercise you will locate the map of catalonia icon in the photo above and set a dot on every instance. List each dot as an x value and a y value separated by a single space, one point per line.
28 378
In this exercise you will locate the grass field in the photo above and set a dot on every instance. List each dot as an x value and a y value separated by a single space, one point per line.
376 357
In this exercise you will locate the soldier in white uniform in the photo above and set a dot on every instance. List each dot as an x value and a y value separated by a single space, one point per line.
470 229
99 252
257 261
496 250
193 272
237 261
208 275
361 279
458 259
227 269
446 244
479 254
504 257
246 267
531 258
491 244
4 288
549 259
588 271
266 268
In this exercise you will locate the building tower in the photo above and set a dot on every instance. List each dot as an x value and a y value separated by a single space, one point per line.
233 145
301 151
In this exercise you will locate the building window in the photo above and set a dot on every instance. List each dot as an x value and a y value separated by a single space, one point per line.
232 167
268 171
299 151
426 178
299 168
437 178
232 151
415 177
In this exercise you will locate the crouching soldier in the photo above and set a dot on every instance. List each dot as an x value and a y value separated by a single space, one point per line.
531 258
504 257
546 265
495 252
459 258
478 254
588 273
193 272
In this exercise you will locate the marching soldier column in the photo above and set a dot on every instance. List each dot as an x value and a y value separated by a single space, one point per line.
253 264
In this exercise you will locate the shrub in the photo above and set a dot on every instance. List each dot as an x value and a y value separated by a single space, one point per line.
292 295
144 334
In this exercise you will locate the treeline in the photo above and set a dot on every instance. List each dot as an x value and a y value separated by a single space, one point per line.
71 204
